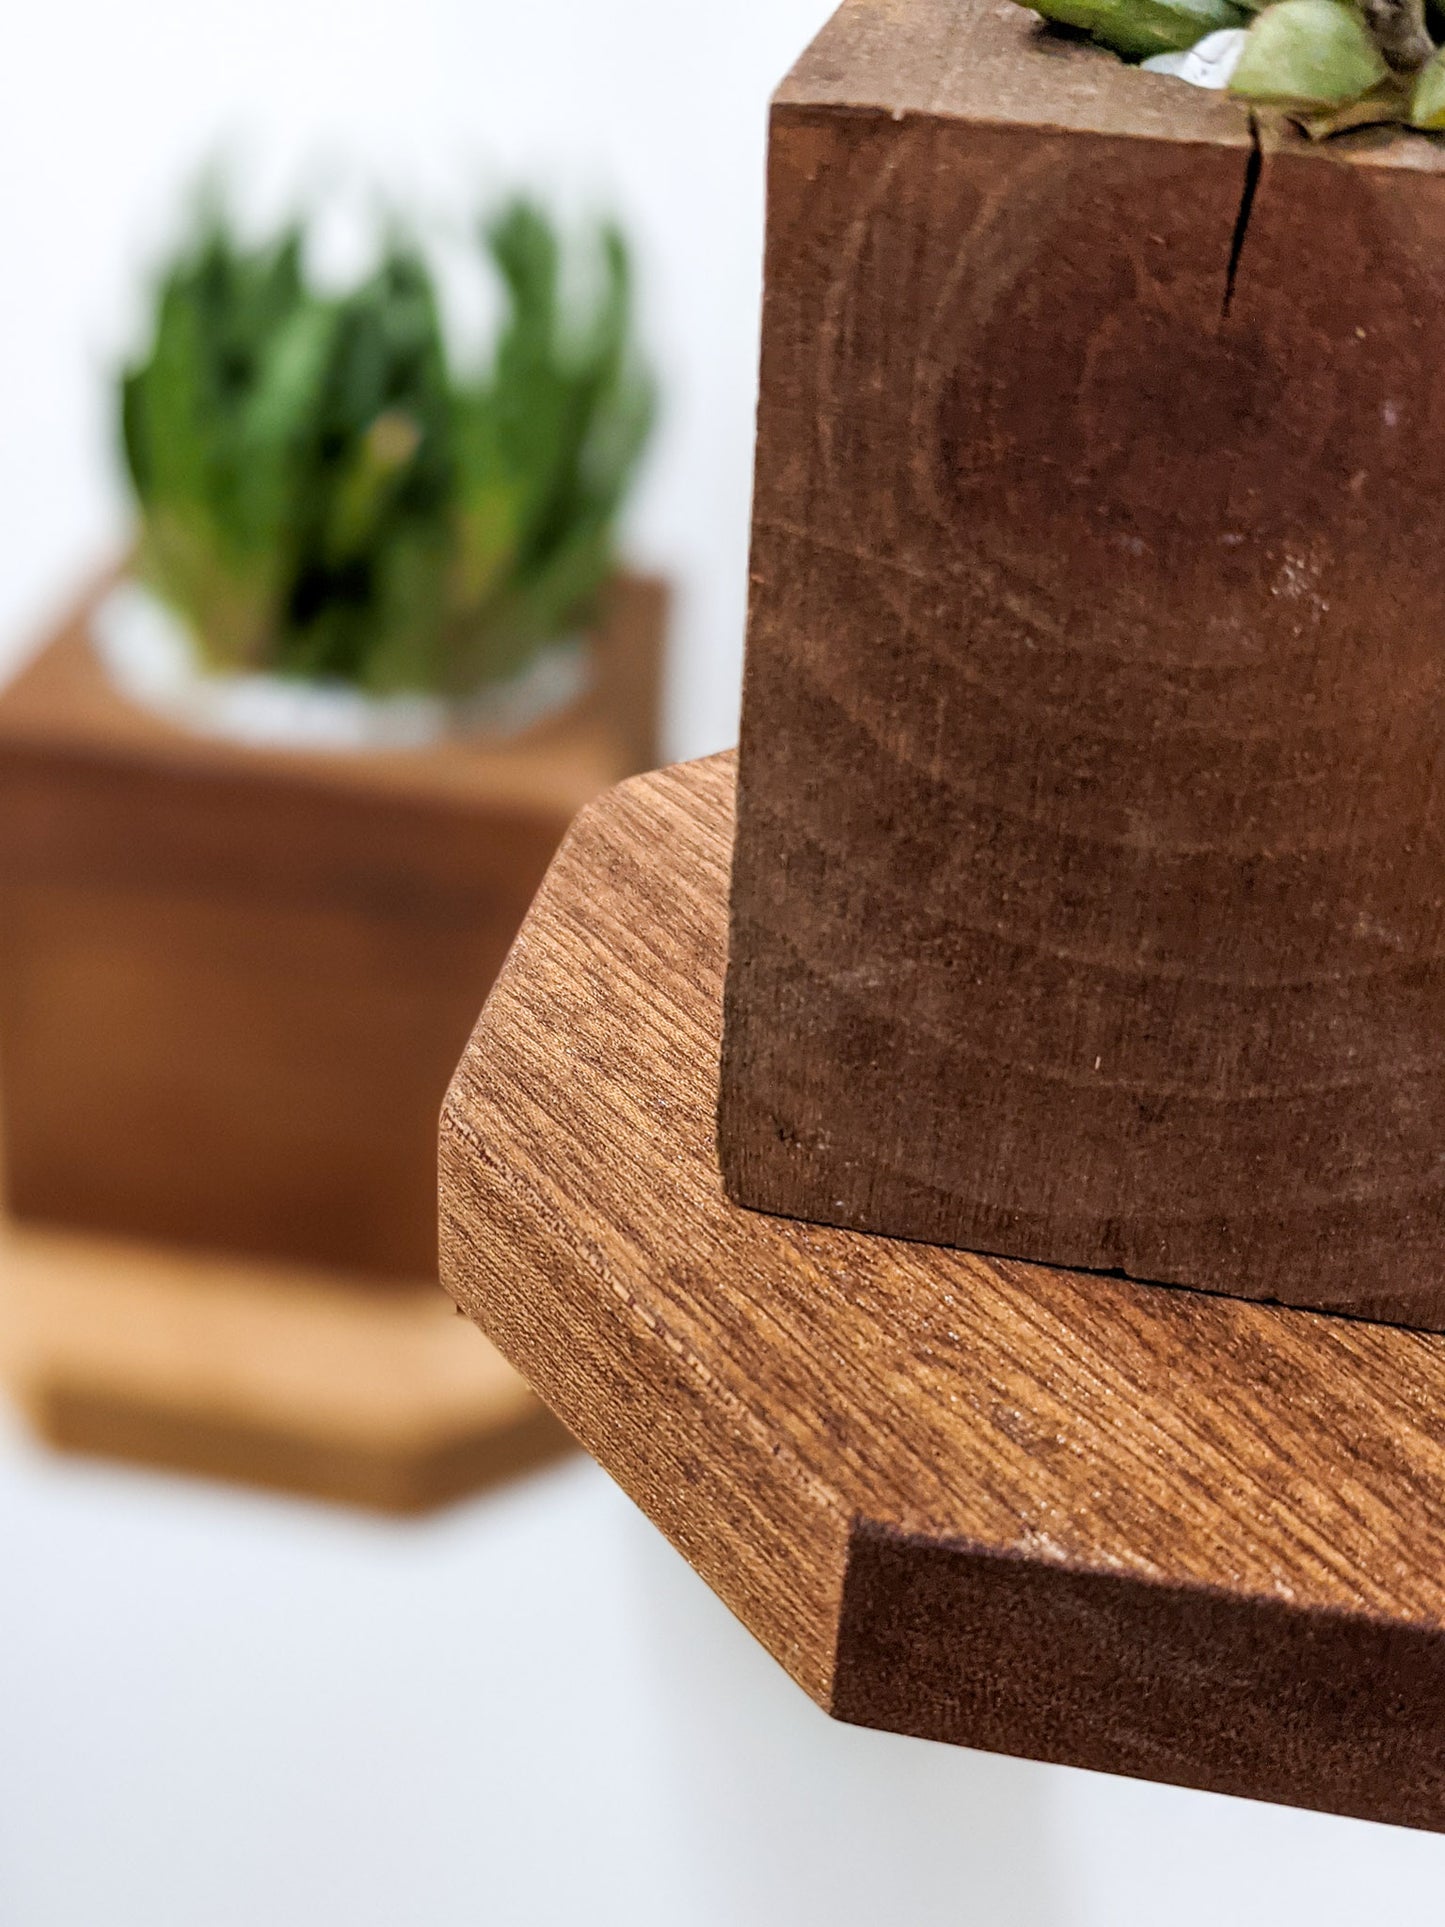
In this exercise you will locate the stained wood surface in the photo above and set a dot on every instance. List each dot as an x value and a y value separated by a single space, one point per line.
233 983
298 1380
1140 1529
1090 890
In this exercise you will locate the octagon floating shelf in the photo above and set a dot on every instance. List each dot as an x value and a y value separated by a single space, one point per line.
1123 1526
372 1394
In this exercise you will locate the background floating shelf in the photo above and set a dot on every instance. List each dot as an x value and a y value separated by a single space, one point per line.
233 984
373 1394
1059 1514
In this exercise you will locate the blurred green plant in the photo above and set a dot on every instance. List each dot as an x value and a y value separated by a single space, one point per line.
323 495
1331 64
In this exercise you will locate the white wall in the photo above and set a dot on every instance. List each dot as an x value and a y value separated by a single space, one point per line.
220 1709
654 106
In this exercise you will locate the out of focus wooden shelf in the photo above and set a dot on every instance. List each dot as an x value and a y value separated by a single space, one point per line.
373 1394
1060 1514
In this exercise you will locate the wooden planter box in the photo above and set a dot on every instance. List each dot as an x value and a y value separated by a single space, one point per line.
234 983
1089 897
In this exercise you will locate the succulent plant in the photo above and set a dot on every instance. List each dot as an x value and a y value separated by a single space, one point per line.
322 493
1332 64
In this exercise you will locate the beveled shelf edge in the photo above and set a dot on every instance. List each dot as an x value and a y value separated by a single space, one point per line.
584 1227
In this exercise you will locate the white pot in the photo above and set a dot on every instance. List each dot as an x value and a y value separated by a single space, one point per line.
149 657
1210 62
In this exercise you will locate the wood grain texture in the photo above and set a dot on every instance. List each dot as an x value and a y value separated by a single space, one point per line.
1089 902
233 983
1151 1531
302 1381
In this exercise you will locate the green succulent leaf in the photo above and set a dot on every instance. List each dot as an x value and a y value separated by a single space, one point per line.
1140 28
1309 53
1427 103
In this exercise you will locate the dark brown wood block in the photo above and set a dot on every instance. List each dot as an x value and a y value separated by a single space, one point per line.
1089 902
233 983
1155 1532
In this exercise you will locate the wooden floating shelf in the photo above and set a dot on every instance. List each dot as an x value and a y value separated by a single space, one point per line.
372 1394
1042 1512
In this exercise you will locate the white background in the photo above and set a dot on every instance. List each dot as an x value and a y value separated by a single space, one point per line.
223 1710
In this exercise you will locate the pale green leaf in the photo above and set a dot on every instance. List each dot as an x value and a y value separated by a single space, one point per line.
1308 53
1427 105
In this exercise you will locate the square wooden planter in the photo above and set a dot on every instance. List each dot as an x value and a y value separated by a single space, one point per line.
1089 894
234 983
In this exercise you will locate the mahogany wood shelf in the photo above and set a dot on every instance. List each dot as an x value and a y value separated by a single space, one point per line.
1060 1514
372 1394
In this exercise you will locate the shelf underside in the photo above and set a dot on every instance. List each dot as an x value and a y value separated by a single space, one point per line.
1058 1514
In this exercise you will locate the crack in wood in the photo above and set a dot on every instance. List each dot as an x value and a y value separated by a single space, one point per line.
1253 169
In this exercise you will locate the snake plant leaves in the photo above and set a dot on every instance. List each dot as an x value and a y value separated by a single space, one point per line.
1308 53
323 494
1139 28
